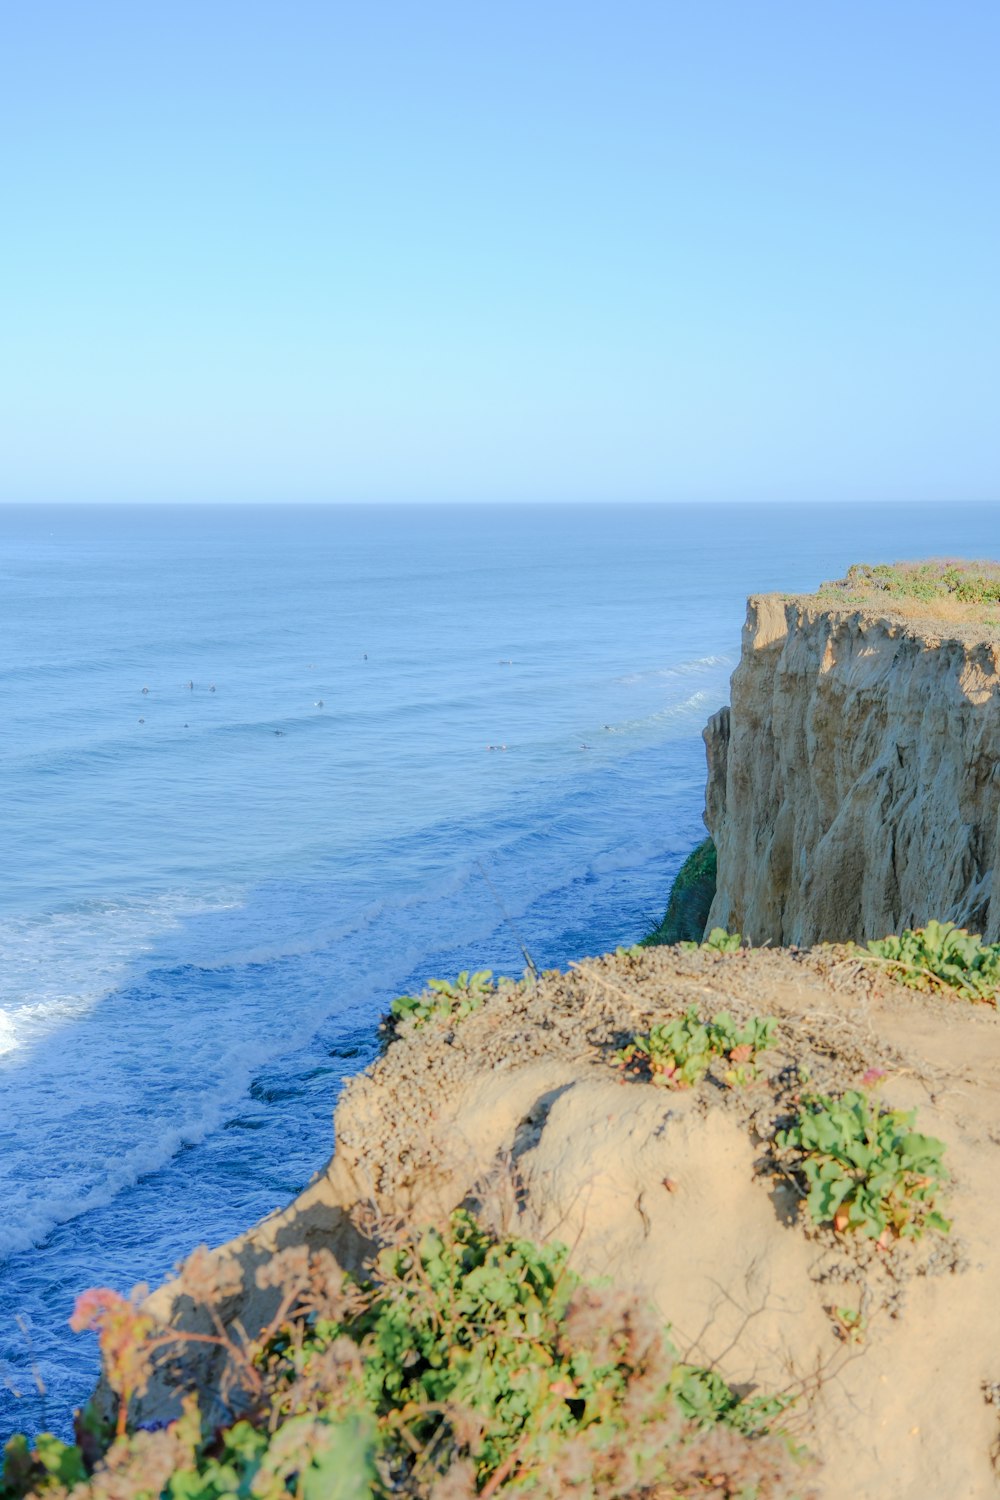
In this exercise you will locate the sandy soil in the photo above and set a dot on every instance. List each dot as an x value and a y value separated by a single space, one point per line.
520 1109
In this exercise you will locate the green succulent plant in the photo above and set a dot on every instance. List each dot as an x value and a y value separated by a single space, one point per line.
866 1170
739 1045
705 1398
718 941
678 1053
445 998
940 956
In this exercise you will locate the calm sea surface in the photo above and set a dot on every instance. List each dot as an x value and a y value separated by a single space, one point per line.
248 795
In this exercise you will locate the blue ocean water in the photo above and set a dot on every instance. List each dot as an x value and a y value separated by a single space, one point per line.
261 769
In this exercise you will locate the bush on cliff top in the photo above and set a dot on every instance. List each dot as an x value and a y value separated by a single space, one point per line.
942 956
946 578
466 1366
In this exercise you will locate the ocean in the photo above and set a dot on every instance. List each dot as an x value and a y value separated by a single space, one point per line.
264 768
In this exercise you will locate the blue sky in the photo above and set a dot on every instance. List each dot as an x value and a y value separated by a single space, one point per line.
524 251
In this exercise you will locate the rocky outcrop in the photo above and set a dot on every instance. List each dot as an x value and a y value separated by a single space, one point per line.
520 1111
854 783
852 791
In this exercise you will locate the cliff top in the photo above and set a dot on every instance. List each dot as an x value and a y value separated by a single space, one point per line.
672 1191
956 596
538 1105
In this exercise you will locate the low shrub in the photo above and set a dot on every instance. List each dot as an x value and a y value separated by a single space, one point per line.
914 581
972 582
866 1169
942 956
690 899
941 579
704 1397
465 1366
678 1053
447 999
718 941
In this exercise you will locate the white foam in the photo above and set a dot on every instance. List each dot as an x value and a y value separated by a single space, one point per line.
69 1075
54 968
686 708
162 1042
8 1033
678 669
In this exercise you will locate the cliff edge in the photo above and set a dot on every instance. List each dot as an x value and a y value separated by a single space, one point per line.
521 1111
779 1154
854 782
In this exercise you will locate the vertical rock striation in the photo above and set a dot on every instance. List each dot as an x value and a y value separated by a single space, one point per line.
854 784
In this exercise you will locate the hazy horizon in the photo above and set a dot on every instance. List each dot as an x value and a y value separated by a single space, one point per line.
523 502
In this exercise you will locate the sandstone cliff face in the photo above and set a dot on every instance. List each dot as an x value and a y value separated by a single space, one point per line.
854 785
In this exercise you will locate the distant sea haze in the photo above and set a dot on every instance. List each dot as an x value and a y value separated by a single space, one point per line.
247 796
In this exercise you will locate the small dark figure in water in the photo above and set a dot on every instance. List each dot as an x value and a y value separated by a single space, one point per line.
142 721
212 688
190 687
145 690
280 733
318 703
366 656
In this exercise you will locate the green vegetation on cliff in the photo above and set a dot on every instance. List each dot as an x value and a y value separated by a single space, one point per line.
866 1169
690 899
466 1365
679 1053
934 582
942 956
464 1359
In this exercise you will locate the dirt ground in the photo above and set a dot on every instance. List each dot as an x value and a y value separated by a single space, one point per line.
521 1110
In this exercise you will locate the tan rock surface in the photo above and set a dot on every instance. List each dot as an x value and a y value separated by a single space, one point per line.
519 1109
854 784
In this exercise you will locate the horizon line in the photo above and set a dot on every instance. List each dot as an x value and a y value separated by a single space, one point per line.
454 503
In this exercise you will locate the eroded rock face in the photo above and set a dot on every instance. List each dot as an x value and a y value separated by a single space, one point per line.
854 786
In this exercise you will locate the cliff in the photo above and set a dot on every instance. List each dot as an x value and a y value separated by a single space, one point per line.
854 782
520 1111
849 1284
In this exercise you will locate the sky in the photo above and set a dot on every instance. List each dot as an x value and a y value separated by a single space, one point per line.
532 251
